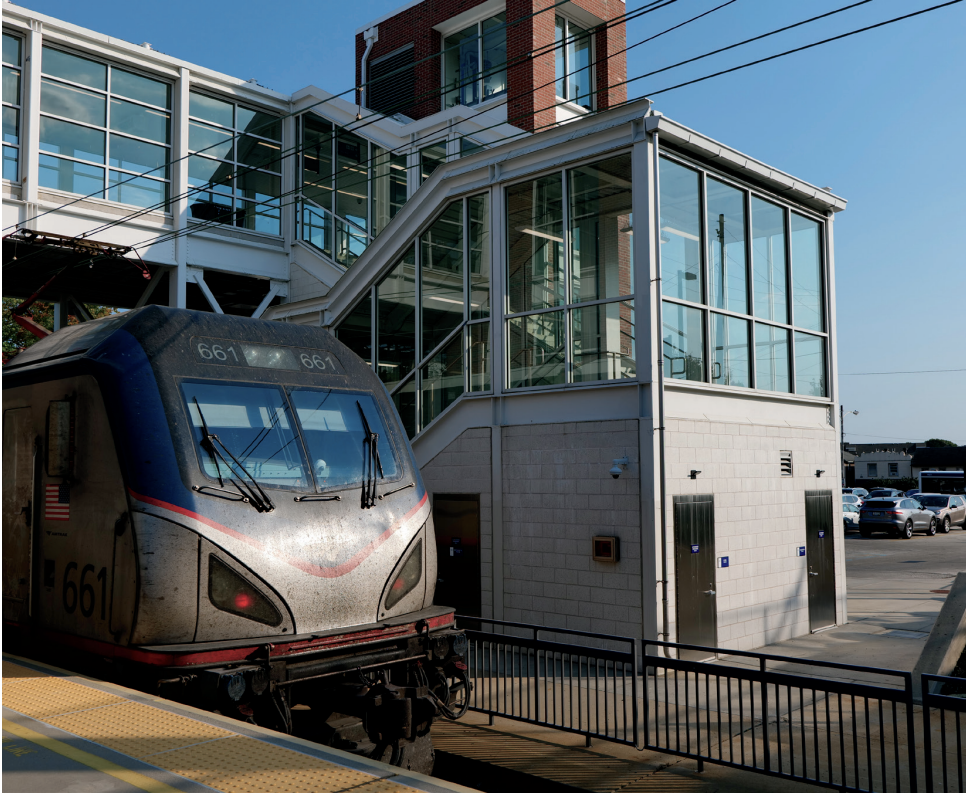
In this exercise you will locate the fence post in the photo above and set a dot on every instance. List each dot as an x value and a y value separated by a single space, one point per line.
927 733
766 750
634 690
911 740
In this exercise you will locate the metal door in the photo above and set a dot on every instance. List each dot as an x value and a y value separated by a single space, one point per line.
820 558
19 506
456 518
694 565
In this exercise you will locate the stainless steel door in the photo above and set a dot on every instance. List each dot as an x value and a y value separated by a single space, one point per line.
456 519
694 565
820 559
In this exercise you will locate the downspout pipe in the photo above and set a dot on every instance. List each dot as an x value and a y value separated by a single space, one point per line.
662 475
371 36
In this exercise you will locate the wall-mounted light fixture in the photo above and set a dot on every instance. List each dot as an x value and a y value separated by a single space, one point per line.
819 472
620 465
695 473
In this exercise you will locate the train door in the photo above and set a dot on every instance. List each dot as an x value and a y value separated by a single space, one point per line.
819 556
694 565
456 518
18 512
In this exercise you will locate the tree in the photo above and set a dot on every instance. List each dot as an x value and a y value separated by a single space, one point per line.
16 338
939 442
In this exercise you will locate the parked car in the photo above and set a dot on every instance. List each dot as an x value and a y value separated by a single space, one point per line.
913 492
852 499
900 517
856 492
950 511
887 493
850 513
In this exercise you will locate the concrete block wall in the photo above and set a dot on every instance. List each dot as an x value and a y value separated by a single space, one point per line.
464 467
557 495
762 597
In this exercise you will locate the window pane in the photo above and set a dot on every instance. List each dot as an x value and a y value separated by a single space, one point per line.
70 176
680 233
726 236
468 146
72 103
404 398
771 358
580 87
479 244
729 351
214 142
494 55
258 123
142 89
212 208
11 85
140 191
265 218
559 67
535 265
479 344
352 178
11 125
536 345
355 330
807 274
442 380
601 261
768 260
396 309
258 186
138 156
210 109
462 67
10 162
259 153
442 276
62 137
73 68
141 121
809 365
255 424
431 158
202 171
317 161
683 336
388 189
603 342
11 49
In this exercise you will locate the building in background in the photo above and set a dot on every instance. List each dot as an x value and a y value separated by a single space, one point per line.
612 343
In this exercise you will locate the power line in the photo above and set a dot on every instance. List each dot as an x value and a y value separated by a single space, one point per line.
900 372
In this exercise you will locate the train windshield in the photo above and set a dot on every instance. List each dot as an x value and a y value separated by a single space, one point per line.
255 425
334 433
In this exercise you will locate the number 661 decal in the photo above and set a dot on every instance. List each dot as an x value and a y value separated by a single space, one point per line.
85 596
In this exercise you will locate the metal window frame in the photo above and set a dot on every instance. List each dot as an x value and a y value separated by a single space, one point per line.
480 74
19 106
566 40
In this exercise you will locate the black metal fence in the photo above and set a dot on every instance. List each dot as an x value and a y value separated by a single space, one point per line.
838 725
943 704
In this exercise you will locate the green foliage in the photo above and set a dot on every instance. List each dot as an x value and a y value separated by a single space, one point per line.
16 338
939 442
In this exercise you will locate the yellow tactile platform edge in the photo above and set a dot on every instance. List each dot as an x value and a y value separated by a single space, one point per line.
191 748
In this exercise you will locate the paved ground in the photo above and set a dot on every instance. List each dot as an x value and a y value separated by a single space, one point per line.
895 593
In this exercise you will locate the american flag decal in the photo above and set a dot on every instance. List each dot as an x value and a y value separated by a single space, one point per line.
57 503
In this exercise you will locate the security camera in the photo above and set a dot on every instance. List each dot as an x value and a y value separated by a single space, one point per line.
620 465
615 472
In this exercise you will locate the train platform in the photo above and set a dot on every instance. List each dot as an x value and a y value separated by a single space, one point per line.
66 732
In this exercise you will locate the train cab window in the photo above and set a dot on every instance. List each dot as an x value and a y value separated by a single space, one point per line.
254 424
333 430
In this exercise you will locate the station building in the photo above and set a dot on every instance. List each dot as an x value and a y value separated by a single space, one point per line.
609 337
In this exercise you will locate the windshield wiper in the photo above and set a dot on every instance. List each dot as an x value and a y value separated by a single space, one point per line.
253 495
397 490
370 462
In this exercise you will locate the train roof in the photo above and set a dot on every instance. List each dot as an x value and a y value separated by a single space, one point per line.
155 327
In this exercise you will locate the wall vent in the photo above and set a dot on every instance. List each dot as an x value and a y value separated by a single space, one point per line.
394 93
786 463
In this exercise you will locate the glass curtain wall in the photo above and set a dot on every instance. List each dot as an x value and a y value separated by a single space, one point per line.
570 278
474 63
573 63
431 310
236 162
12 105
739 270
104 131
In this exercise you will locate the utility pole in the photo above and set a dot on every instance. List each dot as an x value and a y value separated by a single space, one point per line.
842 432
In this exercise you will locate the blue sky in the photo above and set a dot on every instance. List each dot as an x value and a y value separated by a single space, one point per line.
879 117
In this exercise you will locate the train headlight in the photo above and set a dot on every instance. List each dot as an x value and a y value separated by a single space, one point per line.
233 593
408 577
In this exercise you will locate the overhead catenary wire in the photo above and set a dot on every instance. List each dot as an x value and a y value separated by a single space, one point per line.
899 372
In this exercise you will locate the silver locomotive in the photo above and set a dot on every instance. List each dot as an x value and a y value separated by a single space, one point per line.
228 511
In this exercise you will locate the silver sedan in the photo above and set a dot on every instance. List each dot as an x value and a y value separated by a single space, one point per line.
899 516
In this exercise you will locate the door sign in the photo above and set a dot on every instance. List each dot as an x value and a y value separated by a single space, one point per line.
695 548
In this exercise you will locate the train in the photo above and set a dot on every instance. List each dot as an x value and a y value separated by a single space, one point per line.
228 512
